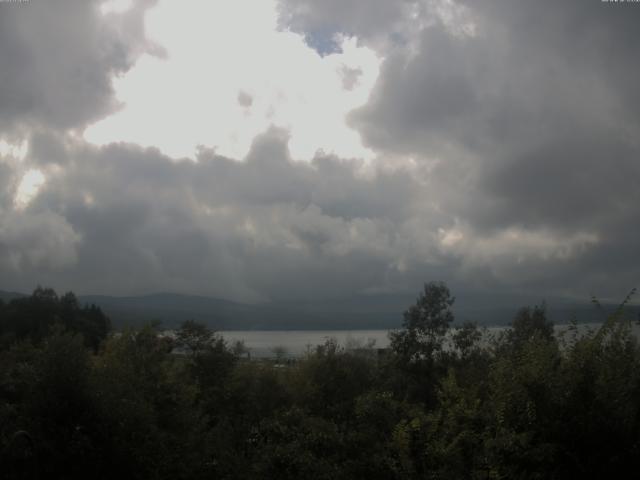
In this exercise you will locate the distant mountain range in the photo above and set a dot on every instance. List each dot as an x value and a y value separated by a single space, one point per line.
171 309
8 296
355 313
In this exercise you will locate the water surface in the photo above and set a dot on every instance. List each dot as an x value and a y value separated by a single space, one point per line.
295 343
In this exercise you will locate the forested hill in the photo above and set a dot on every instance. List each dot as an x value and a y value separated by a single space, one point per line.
171 309
8 296
359 312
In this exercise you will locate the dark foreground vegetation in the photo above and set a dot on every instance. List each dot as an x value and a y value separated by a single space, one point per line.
79 402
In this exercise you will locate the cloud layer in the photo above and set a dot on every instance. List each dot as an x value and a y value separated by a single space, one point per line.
503 146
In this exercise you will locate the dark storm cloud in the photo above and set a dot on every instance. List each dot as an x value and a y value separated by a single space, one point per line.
58 60
264 228
123 219
269 176
543 100
527 112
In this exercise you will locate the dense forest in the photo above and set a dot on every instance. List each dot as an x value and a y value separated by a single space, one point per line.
80 401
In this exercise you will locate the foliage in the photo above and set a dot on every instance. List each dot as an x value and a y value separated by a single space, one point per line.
425 324
35 317
76 402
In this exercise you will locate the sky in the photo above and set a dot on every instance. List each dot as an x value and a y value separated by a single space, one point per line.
278 150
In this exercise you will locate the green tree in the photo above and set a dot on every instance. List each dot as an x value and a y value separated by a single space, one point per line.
194 337
528 324
425 324
36 316
466 338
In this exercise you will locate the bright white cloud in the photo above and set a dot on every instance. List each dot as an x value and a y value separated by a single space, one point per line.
17 151
230 76
514 244
115 6
29 186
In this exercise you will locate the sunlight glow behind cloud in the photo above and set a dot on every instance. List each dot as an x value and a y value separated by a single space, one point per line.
115 6
16 150
29 186
230 76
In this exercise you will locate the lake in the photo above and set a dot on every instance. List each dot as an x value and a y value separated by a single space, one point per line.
295 343
261 343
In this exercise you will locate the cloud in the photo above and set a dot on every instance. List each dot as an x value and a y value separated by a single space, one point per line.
548 129
31 182
58 61
264 228
43 241
229 77
522 119
365 20
251 230
385 25
501 152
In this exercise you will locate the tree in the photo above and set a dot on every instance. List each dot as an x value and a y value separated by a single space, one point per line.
530 324
466 338
35 317
145 415
425 324
194 337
